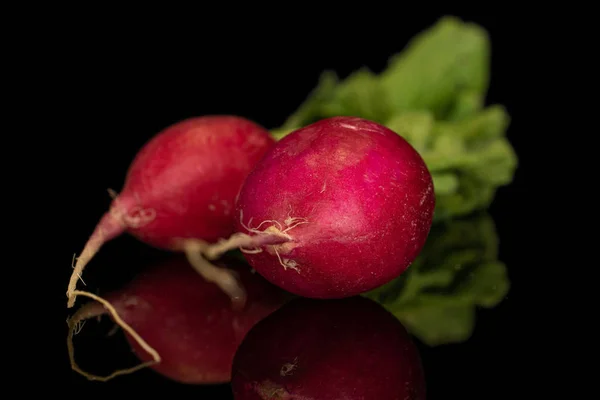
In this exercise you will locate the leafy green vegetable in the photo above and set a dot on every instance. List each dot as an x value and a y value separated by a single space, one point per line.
457 271
468 159
432 93
444 69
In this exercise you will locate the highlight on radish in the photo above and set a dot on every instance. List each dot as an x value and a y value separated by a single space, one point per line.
178 323
334 209
180 192
351 348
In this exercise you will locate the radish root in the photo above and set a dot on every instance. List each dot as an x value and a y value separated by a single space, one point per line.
86 312
90 249
112 224
269 236
224 278
200 254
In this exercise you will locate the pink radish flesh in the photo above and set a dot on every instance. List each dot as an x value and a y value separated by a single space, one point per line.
335 209
189 321
328 349
181 187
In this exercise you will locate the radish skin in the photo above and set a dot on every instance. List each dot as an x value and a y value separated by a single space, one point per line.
180 191
334 209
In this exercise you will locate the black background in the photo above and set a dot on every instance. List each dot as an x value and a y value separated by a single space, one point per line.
122 84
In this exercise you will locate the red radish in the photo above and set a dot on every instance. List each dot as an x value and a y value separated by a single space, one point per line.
181 188
328 349
334 209
188 321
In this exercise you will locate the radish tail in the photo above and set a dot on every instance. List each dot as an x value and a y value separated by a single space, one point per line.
224 278
199 253
108 228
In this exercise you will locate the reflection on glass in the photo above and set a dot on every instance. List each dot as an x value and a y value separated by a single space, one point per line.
457 271
328 349
189 321
186 320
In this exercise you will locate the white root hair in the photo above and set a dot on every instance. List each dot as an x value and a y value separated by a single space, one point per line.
283 264
290 222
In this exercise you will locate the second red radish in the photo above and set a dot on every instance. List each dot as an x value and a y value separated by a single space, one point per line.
180 191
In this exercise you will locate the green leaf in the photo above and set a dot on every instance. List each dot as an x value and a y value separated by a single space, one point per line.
445 183
443 70
317 99
485 286
416 127
359 94
437 325
457 271
466 103
438 67
468 159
